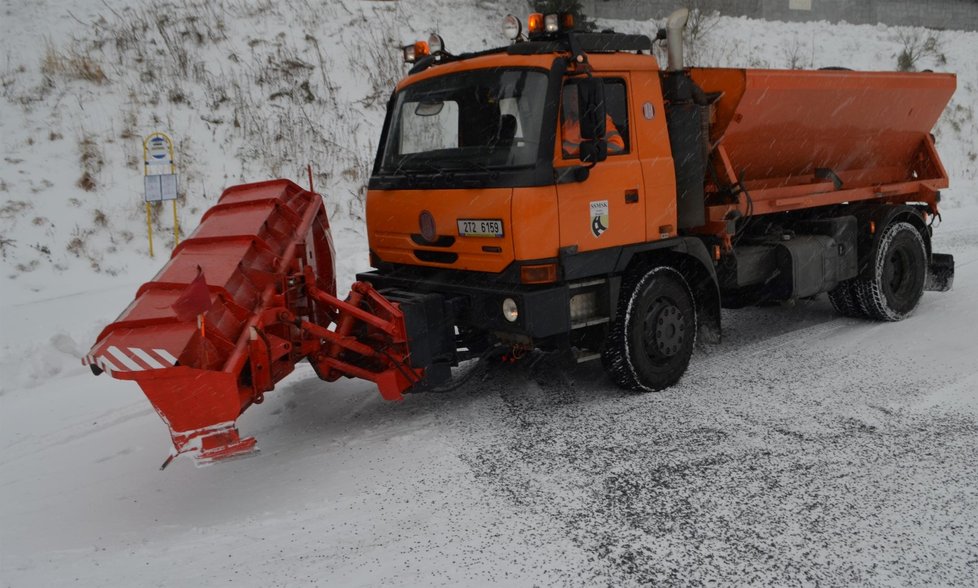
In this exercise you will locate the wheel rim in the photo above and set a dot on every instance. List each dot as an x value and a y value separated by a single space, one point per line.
900 278
895 272
665 329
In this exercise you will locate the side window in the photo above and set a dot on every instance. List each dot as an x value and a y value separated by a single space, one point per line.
616 128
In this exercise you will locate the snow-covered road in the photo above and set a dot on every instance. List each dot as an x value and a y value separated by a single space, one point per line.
805 448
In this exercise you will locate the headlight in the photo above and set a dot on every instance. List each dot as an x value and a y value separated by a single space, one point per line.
435 43
510 310
512 27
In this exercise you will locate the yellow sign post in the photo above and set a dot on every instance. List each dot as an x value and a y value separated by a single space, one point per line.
159 187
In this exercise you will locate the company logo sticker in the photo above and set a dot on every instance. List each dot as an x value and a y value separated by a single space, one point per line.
599 217
426 223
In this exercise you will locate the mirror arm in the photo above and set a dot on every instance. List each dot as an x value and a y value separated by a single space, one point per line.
578 56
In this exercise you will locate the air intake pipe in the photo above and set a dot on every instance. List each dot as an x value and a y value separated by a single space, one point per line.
674 37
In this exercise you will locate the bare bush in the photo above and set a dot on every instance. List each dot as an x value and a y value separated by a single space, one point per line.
794 54
698 29
916 46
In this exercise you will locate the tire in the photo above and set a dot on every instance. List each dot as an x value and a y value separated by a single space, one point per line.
899 271
649 347
845 301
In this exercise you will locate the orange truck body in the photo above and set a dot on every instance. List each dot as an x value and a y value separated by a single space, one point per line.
751 185
771 129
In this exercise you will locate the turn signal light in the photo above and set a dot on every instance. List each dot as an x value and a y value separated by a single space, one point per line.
567 21
538 274
534 23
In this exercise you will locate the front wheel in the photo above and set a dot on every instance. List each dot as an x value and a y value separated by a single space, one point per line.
650 345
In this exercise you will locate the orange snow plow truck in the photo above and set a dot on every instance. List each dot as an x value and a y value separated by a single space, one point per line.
561 193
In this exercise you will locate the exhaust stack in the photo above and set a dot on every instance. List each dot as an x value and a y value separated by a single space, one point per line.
674 37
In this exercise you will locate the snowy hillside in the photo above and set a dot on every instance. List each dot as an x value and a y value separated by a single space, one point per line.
805 449
252 89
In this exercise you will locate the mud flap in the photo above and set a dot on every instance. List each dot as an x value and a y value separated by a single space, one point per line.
940 273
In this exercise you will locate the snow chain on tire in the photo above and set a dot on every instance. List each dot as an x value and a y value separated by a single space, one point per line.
617 358
844 300
872 294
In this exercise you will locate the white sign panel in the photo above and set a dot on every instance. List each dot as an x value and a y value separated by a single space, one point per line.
158 150
800 4
160 187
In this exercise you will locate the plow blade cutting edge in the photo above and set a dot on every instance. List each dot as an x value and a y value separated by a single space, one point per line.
265 252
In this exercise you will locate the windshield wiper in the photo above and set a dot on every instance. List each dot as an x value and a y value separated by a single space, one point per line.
493 174
438 171
415 166
405 172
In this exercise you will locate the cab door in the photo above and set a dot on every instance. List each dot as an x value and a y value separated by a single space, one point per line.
608 208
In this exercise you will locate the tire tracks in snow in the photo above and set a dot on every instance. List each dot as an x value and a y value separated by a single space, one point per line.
786 458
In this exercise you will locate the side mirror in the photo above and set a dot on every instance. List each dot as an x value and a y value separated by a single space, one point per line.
590 100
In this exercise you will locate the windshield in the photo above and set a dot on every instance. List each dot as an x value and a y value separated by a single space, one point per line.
475 120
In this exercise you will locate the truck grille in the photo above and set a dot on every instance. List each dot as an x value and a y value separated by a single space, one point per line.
436 256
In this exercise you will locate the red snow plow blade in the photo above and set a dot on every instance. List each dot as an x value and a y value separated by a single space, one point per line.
266 255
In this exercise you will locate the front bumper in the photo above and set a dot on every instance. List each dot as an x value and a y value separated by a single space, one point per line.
475 301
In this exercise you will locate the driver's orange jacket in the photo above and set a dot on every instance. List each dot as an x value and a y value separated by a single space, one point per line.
571 133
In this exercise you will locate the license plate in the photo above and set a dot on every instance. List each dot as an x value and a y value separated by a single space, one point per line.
479 227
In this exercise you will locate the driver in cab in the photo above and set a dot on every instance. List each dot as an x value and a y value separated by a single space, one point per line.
571 128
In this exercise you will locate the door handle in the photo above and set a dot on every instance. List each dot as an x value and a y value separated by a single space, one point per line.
631 196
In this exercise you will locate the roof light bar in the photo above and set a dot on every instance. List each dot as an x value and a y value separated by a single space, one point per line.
548 24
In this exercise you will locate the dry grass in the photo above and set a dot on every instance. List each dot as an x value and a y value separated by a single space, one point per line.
14 208
5 245
86 182
91 161
73 65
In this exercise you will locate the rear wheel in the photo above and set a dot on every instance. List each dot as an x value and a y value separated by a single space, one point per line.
650 345
899 269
